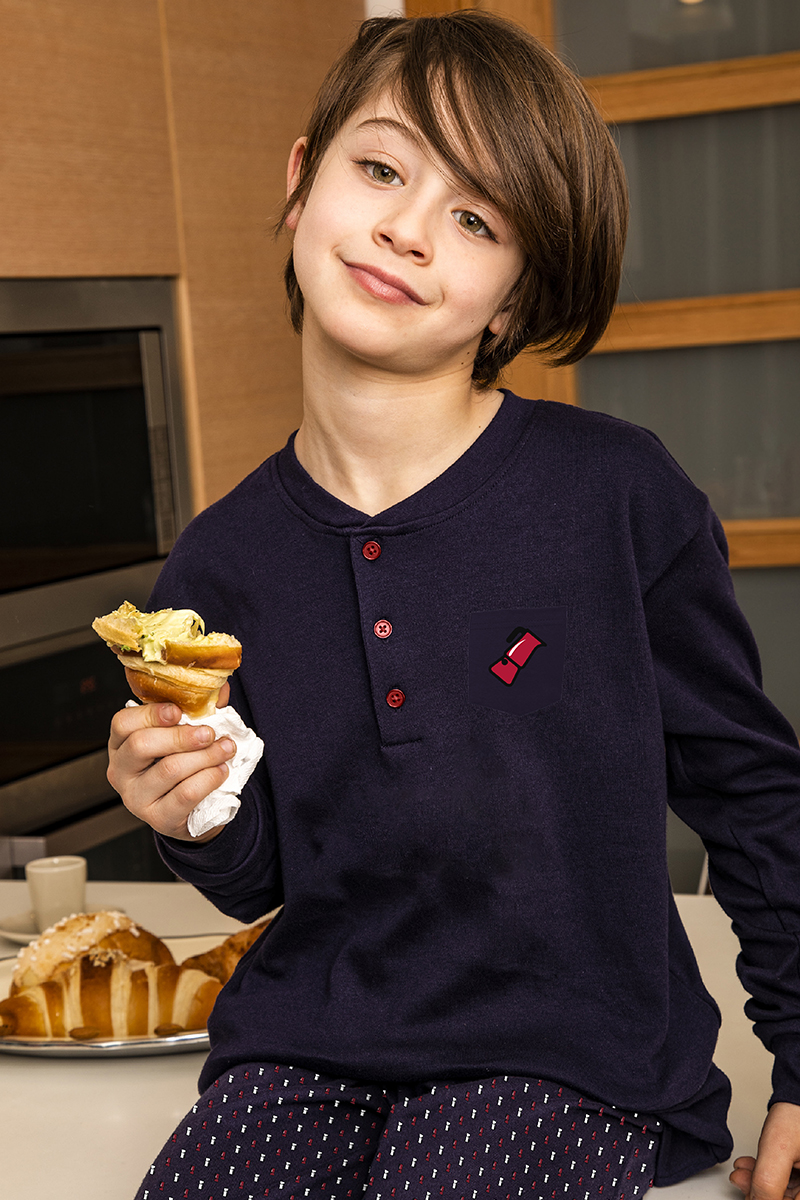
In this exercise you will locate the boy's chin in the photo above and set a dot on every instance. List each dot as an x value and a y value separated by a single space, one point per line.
407 368
396 355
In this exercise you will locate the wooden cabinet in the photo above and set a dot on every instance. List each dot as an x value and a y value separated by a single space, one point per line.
86 177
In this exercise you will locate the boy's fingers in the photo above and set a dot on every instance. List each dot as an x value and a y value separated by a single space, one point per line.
143 716
156 760
165 792
174 770
162 769
168 814
136 754
742 1174
774 1173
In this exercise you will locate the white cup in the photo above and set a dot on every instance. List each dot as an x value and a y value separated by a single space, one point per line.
57 888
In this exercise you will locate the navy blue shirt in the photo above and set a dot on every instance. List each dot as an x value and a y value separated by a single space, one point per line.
476 706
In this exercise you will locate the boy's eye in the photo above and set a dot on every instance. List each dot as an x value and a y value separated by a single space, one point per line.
472 223
380 172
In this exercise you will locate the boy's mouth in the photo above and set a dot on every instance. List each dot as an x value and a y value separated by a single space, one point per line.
384 286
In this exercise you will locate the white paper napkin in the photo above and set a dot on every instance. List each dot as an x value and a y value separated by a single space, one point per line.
223 804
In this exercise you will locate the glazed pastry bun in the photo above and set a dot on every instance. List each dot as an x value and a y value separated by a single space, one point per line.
107 932
108 996
168 656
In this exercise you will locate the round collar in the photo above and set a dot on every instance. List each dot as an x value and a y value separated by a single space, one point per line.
506 432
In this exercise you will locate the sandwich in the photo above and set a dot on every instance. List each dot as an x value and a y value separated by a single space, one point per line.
168 656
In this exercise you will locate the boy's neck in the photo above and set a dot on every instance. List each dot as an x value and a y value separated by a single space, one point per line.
372 439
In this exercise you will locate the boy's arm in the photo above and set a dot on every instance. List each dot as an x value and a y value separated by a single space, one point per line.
239 870
734 767
162 770
775 1173
237 866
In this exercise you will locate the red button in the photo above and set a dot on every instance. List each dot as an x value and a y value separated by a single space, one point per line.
371 550
395 698
382 629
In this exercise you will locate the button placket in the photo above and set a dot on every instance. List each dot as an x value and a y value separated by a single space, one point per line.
372 569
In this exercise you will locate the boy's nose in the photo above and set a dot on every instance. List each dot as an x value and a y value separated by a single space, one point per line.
407 232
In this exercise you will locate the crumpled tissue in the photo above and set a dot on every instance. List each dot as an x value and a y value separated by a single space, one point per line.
222 805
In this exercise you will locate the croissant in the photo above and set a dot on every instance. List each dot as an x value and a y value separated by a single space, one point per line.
221 960
104 995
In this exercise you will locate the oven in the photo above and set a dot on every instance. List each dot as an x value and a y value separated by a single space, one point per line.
94 487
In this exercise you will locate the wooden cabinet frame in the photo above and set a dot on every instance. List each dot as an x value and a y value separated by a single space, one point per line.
717 321
736 83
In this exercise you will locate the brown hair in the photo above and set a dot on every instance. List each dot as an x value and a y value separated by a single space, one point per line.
516 127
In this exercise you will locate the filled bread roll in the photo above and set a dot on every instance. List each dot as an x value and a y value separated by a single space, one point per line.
104 995
167 656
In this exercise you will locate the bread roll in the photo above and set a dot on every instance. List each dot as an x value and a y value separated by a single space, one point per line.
167 656
104 995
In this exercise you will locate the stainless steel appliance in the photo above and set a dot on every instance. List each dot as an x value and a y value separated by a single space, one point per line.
94 488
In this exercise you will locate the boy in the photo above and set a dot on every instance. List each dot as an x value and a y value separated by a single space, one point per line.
485 640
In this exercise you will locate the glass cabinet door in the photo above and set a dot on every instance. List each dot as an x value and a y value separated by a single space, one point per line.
715 204
602 37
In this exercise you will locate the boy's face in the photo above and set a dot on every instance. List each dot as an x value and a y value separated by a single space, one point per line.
399 267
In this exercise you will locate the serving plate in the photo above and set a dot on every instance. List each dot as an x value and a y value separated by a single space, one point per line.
138 1047
179 1043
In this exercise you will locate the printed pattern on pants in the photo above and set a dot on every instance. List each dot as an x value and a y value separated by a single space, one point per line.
273 1131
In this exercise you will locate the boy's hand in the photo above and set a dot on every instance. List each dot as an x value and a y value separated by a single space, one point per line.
775 1173
162 770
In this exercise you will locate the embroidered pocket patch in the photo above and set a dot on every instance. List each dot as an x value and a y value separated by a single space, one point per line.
516 658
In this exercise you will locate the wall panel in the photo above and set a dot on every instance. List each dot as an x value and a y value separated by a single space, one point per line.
242 76
86 182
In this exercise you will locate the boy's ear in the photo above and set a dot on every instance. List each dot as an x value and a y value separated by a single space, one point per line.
292 177
499 321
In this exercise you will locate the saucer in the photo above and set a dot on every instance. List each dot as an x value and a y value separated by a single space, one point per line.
21 928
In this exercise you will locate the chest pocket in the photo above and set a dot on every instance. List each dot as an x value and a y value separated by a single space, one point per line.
516 658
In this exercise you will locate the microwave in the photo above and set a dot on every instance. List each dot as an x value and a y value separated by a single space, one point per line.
94 488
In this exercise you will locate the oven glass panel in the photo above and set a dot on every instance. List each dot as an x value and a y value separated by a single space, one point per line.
58 707
75 480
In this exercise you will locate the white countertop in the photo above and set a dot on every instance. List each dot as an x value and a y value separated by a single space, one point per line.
88 1130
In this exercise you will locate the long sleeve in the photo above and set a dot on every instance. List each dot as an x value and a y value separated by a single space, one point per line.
239 870
734 765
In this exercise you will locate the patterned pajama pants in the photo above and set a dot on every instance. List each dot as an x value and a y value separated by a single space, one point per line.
287 1133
